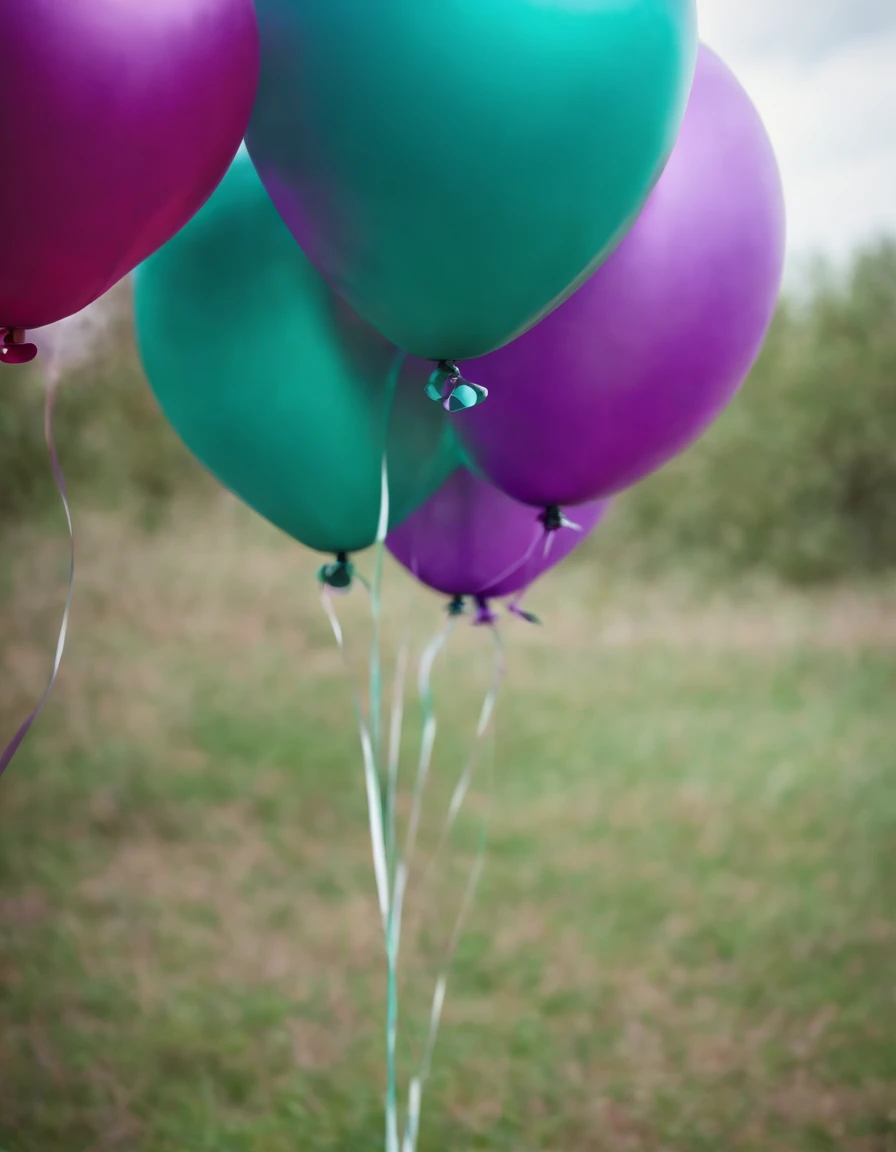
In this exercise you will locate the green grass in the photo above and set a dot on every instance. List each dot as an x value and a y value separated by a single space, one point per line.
685 936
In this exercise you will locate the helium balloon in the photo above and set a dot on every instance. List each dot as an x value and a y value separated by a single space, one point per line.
635 366
455 166
281 391
119 121
469 539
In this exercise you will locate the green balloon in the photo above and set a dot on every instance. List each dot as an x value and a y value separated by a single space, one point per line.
281 391
456 168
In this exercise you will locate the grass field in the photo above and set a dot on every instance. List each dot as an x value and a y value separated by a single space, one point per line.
684 939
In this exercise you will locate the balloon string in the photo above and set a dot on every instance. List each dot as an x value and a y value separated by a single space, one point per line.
418 1082
424 762
395 727
381 787
465 779
513 568
552 521
380 546
371 779
382 856
402 862
52 387
428 736
546 527
391 782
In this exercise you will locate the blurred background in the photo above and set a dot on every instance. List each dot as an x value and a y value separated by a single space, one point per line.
685 936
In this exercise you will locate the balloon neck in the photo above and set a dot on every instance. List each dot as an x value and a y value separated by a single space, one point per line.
339 575
485 616
447 387
14 349
456 607
554 521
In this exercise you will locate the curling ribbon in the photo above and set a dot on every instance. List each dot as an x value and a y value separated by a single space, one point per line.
52 386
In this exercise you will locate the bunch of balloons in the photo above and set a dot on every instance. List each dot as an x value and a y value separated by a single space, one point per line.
343 210
444 275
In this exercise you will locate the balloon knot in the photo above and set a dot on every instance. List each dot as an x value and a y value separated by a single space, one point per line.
553 520
339 575
485 617
457 606
447 387
13 347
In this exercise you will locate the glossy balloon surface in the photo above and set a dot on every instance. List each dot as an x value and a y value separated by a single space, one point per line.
119 120
637 364
453 166
285 395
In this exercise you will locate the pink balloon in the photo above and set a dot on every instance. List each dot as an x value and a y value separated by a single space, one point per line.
120 117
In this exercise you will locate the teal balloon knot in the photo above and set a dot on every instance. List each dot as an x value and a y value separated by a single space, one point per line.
457 607
447 387
340 575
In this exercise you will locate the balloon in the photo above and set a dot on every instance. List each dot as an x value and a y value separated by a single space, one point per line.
469 539
120 118
454 166
634 366
275 384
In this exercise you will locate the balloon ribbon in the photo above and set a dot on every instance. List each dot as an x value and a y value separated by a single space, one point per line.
461 789
49 404
391 868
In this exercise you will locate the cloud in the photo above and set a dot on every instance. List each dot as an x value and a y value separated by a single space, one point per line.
803 30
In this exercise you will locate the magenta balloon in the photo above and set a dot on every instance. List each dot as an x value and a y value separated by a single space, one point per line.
635 365
469 539
120 117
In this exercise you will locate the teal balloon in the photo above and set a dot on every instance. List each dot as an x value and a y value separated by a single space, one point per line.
272 381
457 167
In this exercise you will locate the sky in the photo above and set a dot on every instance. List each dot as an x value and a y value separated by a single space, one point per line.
823 75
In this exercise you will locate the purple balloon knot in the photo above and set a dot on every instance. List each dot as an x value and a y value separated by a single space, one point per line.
485 617
447 387
13 347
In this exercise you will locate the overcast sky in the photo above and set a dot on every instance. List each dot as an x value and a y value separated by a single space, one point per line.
823 75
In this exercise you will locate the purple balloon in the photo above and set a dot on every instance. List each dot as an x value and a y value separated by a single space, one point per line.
469 539
120 117
641 359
